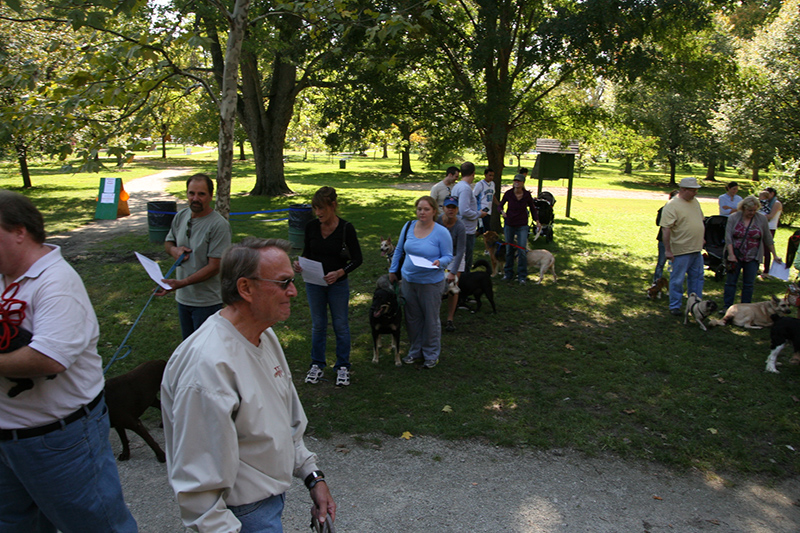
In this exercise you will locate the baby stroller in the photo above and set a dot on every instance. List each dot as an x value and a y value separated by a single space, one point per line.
714 255
544 204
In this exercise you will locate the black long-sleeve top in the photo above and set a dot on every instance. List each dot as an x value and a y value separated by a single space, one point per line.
328 251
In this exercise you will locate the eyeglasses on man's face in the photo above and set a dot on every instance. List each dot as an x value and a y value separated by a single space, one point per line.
282 283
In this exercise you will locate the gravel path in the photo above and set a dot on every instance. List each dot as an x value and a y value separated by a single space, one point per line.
429 485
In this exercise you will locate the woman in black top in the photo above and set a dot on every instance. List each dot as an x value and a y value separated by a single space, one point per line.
333 242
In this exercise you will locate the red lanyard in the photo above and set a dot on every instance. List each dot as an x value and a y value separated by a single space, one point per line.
12 313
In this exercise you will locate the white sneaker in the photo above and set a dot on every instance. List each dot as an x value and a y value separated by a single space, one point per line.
342 377
314 375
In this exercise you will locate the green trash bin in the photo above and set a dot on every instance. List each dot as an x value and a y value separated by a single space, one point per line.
299 215
159 219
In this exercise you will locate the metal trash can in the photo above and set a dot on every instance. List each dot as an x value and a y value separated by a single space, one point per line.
159 219
299 215
343 163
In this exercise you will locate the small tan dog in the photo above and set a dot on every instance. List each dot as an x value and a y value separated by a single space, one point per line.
544 261
387 249
698 309
654 290
754 315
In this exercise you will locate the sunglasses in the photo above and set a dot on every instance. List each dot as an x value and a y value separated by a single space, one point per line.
189 229
282 283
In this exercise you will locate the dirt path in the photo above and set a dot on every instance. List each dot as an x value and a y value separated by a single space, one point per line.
429 485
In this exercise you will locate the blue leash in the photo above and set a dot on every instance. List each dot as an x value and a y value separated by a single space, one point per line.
116 356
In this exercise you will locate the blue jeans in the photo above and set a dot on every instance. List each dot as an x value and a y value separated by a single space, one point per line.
193 317
263 516
750 271
337 298
662 260
470 246
691 266
520 233
65 480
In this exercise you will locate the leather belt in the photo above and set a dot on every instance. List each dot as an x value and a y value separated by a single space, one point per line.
27 433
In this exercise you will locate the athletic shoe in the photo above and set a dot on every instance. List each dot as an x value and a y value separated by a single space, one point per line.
410 360
430 364
342 377
522 282
675 312
314 375
449 326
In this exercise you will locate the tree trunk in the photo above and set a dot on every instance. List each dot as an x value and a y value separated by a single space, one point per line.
496 153
241 151
405 153
755 176
385 151
628 167
163 144
22 158
266 127
711 170
721 167
228 104
673 164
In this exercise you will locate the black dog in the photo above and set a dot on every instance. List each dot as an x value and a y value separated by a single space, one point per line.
475 284
785 330
128 396
22 338
385 317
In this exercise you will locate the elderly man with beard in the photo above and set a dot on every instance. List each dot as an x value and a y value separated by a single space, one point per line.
200 235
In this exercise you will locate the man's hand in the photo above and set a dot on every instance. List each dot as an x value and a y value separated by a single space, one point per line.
323 502
178 251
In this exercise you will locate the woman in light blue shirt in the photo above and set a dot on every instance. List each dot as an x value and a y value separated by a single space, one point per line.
729 202
422 287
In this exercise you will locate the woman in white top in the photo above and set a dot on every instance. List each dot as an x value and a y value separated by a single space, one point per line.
729 202
772 210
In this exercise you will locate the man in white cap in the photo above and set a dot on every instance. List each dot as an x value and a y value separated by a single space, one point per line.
683 234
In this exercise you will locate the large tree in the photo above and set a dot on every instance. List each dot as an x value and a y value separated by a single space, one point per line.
507 58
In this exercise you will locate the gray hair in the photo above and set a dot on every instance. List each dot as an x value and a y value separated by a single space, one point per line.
241 261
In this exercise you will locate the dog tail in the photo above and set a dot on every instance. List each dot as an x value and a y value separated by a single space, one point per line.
482 263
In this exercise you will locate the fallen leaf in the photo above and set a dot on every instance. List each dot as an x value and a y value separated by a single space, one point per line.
721 380
447 409
657 498
568 346
713 431
567 371
343 450
406 435
629 411
714 521
795 398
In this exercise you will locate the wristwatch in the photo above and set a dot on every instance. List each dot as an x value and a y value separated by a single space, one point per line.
313 478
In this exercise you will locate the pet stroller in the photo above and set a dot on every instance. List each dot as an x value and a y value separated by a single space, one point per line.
714 254
544 204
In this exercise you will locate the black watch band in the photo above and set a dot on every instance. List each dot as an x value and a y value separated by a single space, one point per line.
313 478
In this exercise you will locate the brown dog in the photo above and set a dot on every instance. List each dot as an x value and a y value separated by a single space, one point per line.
754 315
544 261
490 240
128 396
654 290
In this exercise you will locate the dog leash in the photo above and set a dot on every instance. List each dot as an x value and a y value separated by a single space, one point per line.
116 356
501 243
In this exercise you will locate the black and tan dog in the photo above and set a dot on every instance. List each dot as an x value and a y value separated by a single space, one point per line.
497 252
128 396
22 337
385 318
699 310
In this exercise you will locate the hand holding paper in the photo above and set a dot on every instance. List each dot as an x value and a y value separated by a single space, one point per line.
153 270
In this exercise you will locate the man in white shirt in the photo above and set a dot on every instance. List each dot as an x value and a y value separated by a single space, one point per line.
57 470
233 423
442 190
486 198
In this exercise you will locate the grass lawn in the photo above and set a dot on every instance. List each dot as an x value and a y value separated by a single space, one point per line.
588 363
